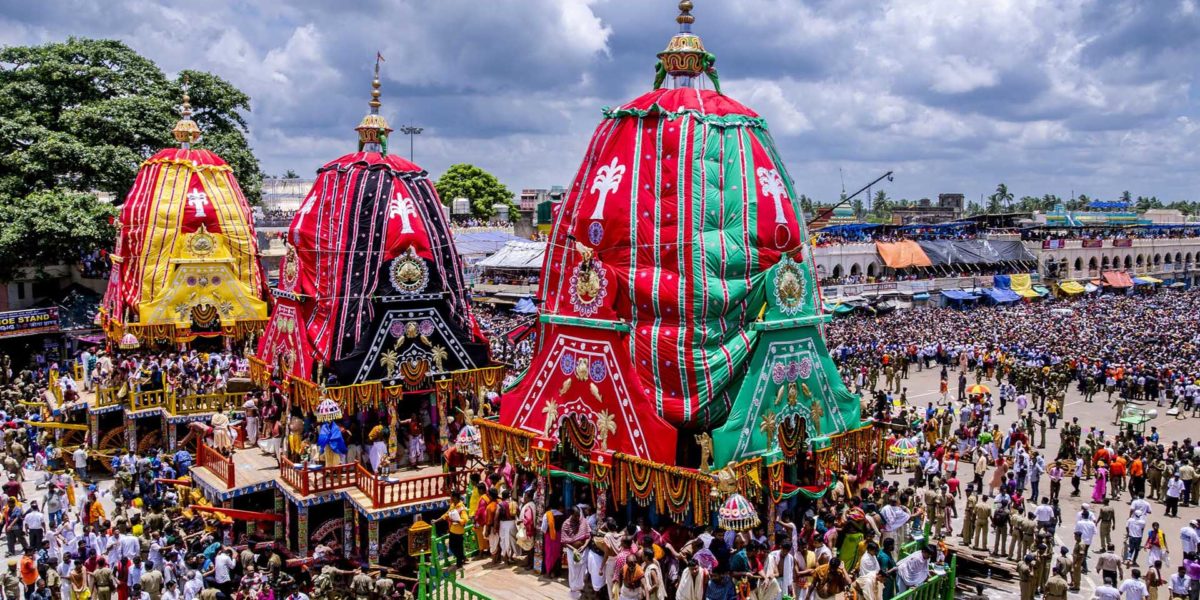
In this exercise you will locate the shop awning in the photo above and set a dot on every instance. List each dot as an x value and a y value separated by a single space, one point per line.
1117 279
1041 290
1071 287
1150 279
902 254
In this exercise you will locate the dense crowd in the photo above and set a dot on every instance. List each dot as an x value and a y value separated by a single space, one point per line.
1112 233
512 337
1143 347
188 373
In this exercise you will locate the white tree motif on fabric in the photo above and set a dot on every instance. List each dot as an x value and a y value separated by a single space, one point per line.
772 185
308 204
607 179
404 208
198 200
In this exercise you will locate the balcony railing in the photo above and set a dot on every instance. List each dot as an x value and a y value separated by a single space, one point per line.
381 491
150 399
314 481
218 464
204 403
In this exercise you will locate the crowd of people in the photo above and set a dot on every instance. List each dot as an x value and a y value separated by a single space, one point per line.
1144 347
1111 233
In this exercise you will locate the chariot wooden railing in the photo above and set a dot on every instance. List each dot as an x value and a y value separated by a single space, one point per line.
383 492
219 464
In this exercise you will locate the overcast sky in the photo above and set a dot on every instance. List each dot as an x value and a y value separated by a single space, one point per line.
1092 96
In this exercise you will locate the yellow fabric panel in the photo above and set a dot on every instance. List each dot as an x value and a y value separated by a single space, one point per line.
235 299
234 223
163 239
1020 282
162 223
1071 287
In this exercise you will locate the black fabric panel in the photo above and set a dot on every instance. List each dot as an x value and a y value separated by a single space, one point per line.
365 241
940 252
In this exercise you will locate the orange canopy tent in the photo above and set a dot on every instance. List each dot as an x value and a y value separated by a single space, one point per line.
1117 279
902 254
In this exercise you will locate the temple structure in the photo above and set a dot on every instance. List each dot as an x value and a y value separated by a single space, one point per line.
186 261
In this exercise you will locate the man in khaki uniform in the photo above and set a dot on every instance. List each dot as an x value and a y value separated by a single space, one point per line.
1079 554
1056 586
1000 521
969 515
1016 526
1108 518
1025 577
103 582
983 522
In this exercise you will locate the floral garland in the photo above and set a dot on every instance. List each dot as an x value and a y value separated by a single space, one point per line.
500 440
775 481
260 372
581 436
674 489
639 478
488 378
791 436
749 478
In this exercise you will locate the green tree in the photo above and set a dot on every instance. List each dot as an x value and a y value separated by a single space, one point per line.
999 199
806 205
880 205
50 227
480 187
858 207
81 115
77 118
290 174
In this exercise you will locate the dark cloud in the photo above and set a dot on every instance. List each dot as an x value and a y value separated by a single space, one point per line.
1091 95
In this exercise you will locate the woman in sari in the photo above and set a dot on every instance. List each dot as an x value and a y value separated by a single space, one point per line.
998 475
1100 488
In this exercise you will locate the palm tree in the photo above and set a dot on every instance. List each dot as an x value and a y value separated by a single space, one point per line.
880 204
1002 197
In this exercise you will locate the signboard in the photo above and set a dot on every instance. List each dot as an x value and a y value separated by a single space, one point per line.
1125 243
28 322
1093 243
1053 244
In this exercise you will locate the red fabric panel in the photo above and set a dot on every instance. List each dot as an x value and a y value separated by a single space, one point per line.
605 386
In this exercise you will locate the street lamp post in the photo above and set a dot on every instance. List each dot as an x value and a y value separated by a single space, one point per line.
411 131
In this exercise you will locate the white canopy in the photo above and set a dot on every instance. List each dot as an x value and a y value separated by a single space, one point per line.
516 255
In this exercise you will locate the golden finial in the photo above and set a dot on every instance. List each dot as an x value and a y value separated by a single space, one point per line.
186 132
685 13
373 129
375 103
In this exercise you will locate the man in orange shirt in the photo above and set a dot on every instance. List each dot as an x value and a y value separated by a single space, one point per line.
1137 478
1118 471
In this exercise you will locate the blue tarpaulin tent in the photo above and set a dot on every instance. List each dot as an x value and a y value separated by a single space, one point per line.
1001 296
959 298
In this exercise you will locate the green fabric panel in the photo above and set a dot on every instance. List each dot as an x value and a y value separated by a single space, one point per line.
740 437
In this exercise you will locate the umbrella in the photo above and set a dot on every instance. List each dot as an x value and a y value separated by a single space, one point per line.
328 411
978 389
737 514
904 448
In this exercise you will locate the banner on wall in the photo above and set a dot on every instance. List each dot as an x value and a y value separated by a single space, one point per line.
1093 243
1125 243
31 321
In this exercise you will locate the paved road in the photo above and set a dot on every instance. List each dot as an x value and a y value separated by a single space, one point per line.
923 389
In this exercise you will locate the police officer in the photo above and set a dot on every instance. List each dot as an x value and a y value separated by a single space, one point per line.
1056 586
1025 577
